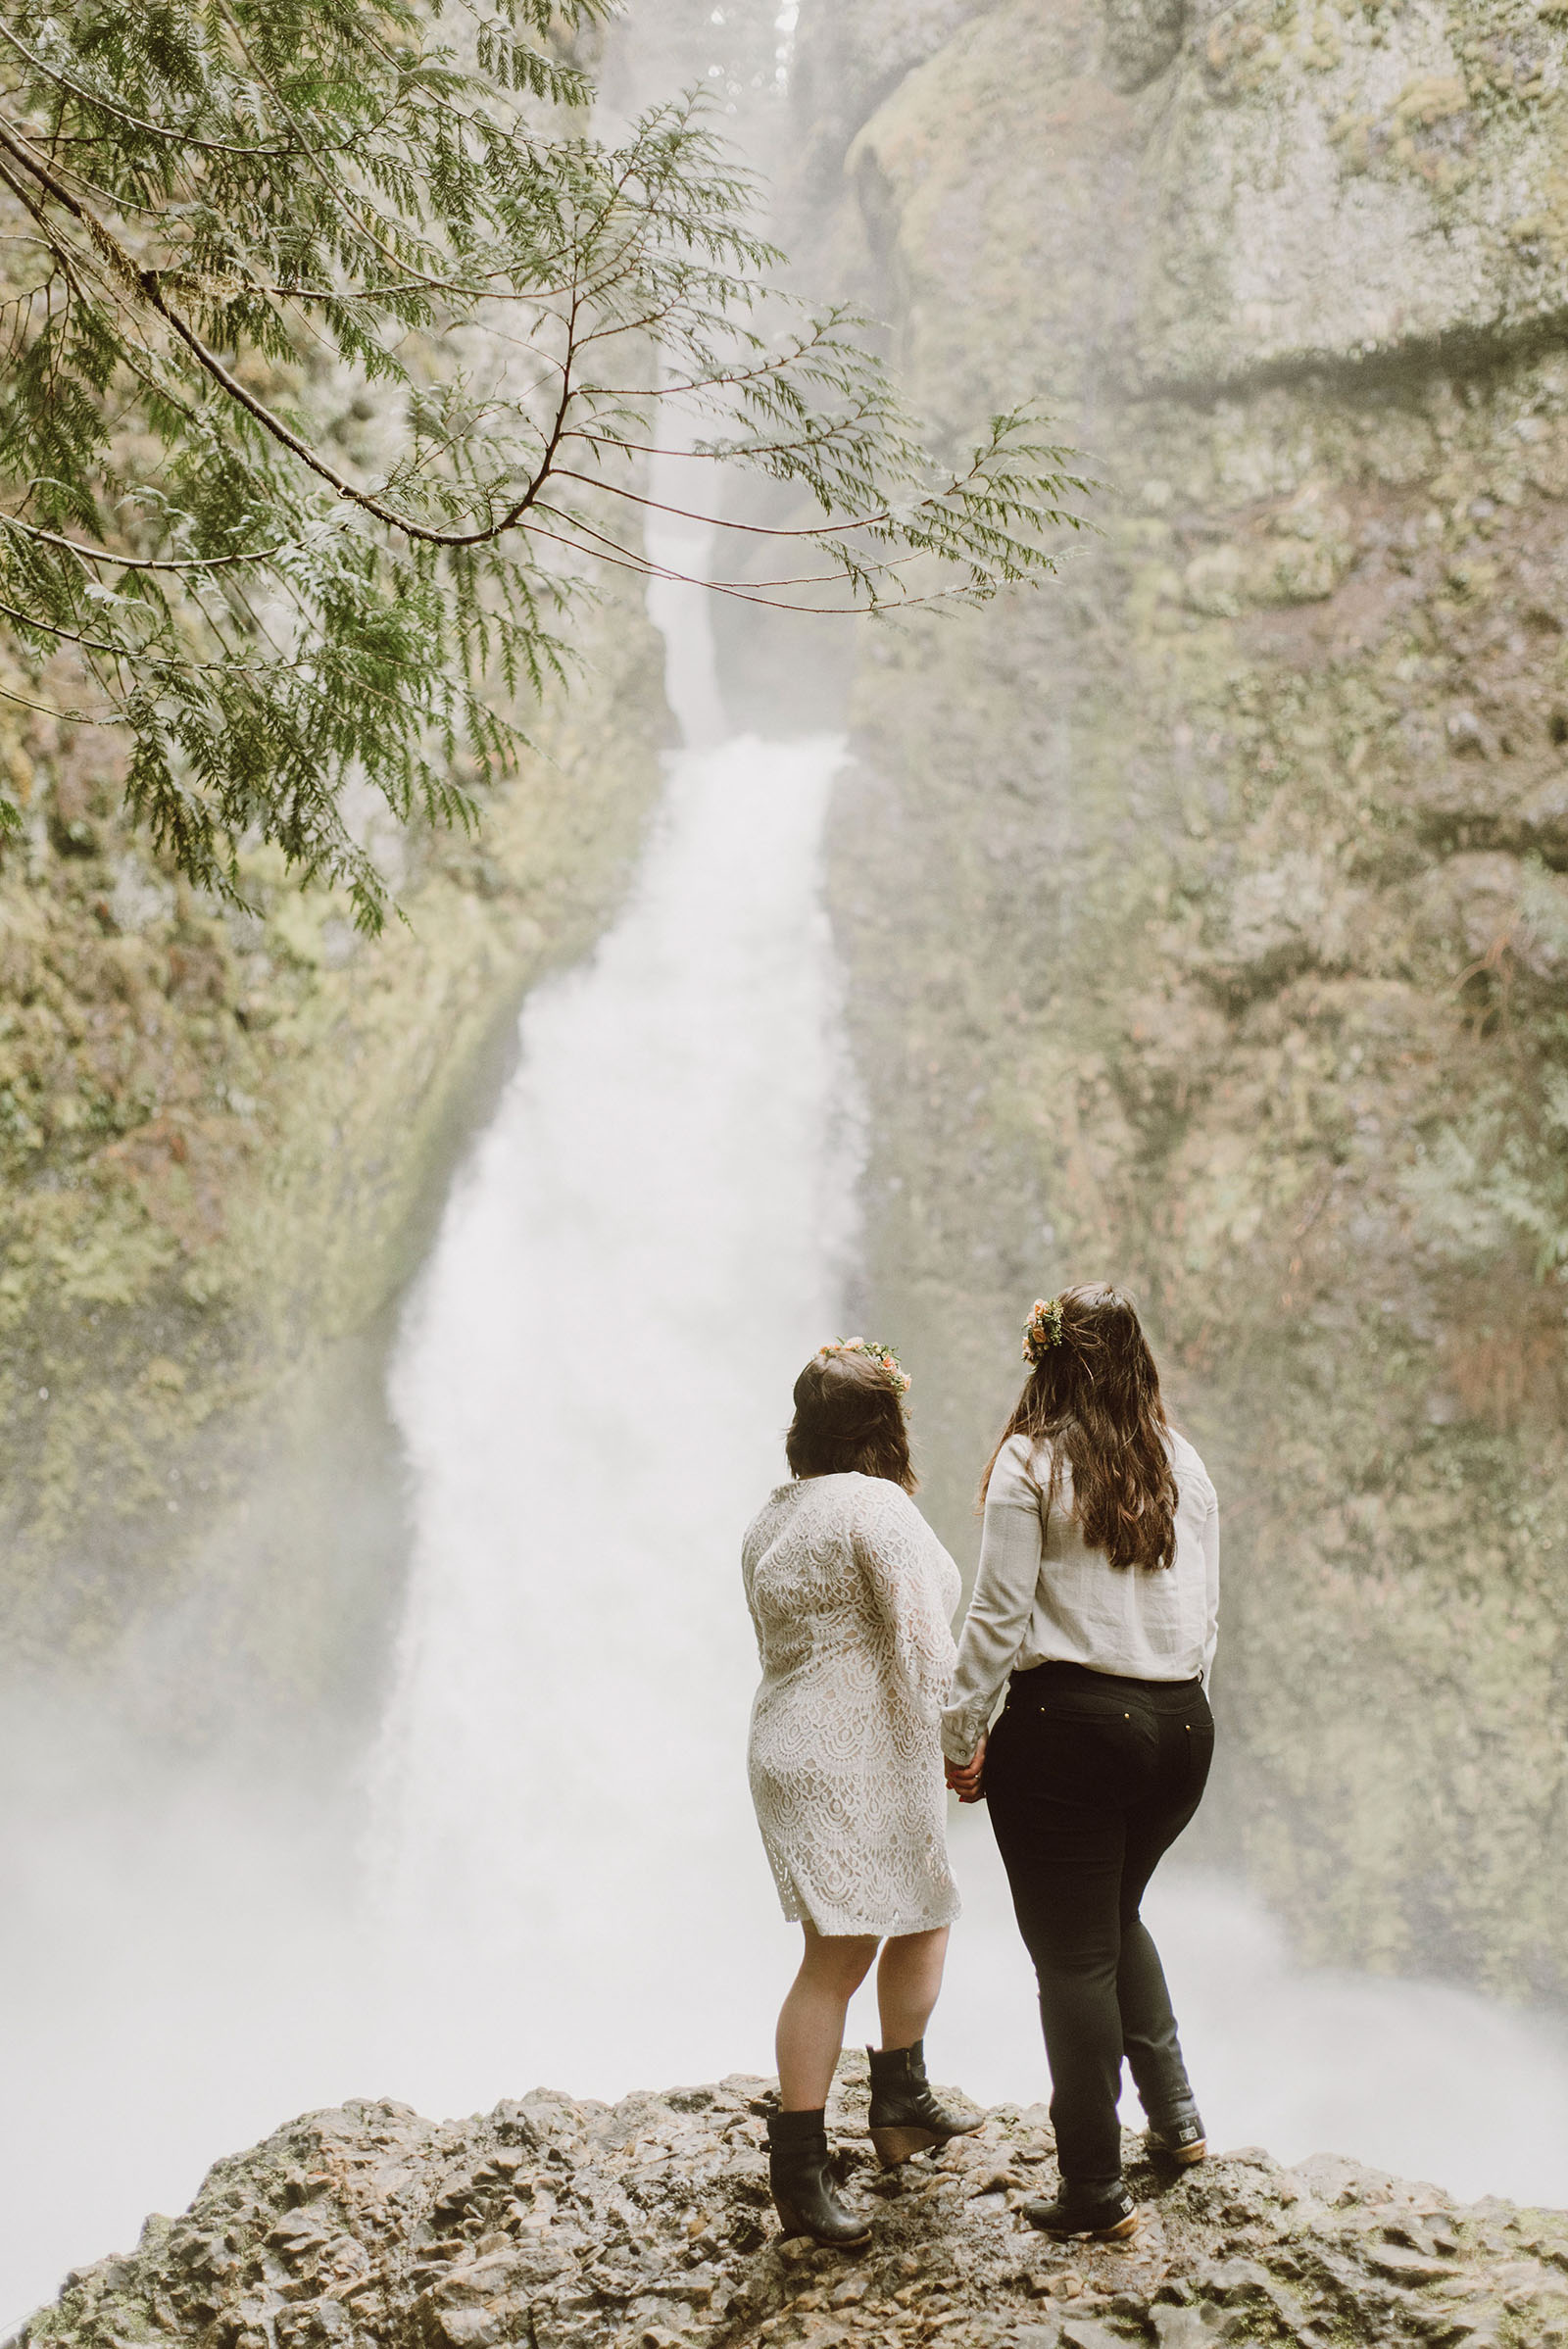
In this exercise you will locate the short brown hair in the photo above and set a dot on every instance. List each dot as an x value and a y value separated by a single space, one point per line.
849 1419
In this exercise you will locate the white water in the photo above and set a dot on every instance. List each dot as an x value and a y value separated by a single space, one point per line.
648 1242
566 1884
645 1249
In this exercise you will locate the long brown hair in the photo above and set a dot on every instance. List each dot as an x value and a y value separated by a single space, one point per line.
1094 1396
848 1415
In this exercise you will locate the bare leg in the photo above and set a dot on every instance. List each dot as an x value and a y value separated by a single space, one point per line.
811 2022
908 1982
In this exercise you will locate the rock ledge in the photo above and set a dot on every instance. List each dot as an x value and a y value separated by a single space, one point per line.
554 2224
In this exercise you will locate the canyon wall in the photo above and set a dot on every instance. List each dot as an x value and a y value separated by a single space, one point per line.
1205 911
224 1136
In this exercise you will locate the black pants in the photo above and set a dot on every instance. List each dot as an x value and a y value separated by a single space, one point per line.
1089 1779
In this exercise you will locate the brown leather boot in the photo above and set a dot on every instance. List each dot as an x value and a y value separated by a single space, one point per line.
906 2118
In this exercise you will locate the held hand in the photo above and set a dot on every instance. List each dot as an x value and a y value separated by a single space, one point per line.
967 1779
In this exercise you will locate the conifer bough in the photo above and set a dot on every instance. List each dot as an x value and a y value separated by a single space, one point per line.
331 357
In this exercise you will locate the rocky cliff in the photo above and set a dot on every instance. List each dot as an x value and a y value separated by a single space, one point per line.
1205 914
223 1140
647 2225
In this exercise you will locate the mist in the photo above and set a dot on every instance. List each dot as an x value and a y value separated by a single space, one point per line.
542 1867
446 1799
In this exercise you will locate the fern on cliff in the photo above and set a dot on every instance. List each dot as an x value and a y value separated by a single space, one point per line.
331 367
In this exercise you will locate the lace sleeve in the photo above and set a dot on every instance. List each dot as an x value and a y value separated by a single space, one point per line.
748 1573
904 1567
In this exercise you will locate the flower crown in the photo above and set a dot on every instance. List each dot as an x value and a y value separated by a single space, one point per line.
1043 1330
875 1352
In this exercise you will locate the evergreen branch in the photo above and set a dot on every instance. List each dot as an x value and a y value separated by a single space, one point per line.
175 135
75 718
182 563
232 217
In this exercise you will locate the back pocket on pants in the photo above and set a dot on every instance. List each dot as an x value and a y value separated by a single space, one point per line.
1087 1748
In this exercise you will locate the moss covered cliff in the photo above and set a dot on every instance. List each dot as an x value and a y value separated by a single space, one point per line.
1205 914
223 1139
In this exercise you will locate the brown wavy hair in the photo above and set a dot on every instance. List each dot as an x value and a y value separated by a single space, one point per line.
848 1416
1094 1397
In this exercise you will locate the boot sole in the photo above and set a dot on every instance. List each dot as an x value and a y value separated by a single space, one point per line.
895 2145
1096 2235
789 2218
1182 2155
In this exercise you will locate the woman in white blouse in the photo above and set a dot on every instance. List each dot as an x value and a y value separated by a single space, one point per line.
850 1594
1098 1602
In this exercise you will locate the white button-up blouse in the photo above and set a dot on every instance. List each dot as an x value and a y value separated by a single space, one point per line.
1041 1595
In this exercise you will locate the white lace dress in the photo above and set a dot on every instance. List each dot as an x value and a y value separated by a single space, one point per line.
852 1594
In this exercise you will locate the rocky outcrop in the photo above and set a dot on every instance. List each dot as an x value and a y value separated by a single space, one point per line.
848 60
1205 912
647 2225
1319 186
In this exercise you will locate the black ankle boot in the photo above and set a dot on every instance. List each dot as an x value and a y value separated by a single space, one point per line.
802 2191
1103 2214
1178 2135
906 2118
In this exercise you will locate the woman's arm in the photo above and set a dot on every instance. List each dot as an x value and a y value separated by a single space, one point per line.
902 1561
1011 1551
747 1581
1211 1578
967 1779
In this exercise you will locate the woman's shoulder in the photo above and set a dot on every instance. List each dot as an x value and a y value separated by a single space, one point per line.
876 1496
876 1508
766 1523
1025 1461
845 1497
843 1493
1188 1464
777 1509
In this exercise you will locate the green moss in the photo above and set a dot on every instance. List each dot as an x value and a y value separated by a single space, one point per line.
223 1137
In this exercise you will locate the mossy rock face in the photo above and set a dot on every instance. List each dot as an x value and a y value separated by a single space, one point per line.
1336 184
1205 911
224 1138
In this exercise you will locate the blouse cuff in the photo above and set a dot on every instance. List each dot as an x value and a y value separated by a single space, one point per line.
962 1727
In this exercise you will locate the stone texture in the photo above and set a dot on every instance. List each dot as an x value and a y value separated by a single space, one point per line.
1326 185
1205 912
647 2225
847 60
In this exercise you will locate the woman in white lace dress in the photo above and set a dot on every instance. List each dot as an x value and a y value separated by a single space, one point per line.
852 1596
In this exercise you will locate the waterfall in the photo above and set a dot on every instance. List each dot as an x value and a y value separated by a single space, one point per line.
591 1380
565 1881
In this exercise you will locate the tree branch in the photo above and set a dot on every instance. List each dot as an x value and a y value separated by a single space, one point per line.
139 562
